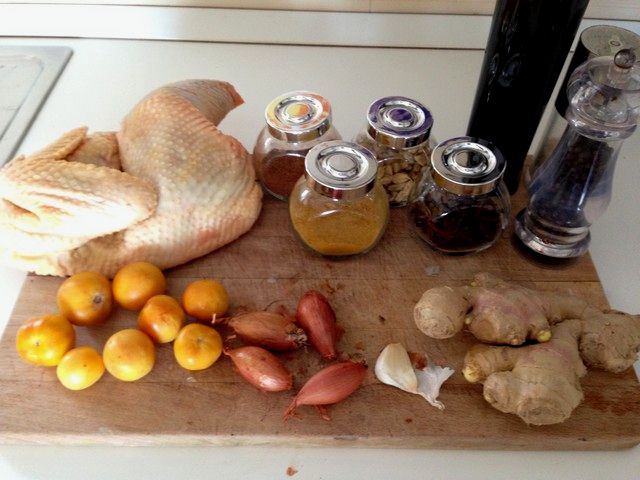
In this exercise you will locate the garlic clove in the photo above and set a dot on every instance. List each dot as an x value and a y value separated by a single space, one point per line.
430 379
393 367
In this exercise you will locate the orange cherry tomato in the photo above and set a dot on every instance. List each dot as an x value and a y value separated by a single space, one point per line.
44 340
85 298
129 355
135 283
80 368
197 346
203 299
161 318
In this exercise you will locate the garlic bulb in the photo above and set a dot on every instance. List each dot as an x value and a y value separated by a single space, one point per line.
394 368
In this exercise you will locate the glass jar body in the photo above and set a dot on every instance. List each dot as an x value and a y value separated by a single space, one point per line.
336 227
572 189
458 224
398 168
280 163
567 194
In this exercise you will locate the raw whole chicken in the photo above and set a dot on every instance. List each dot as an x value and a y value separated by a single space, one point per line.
167 188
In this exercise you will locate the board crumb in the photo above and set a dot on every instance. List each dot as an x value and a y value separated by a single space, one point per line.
432 271
291 471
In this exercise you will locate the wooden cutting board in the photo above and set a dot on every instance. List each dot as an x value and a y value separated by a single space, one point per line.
373 296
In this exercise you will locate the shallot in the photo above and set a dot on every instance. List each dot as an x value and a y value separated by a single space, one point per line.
318 319
269 330
261 368
330 385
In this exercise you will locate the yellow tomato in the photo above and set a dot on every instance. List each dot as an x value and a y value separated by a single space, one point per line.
203 299
129 355
44 340
80 368
197 346
161 318
135 283
85 298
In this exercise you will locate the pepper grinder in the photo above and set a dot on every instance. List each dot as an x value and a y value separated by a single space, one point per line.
595 41
573 187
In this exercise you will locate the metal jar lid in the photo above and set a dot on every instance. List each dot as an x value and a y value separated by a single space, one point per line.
298 116
596 41
607 40
467 166
399 122
341 170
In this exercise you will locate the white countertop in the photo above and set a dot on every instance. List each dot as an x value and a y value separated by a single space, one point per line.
103 81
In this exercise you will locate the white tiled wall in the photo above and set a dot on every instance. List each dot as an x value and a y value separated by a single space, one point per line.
599 9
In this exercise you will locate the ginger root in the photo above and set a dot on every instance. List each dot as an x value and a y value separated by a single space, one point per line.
539 383
494 311
610 340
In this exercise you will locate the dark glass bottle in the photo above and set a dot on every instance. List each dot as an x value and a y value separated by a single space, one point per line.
528 44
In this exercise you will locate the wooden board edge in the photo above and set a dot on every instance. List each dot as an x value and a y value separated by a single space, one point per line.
429 443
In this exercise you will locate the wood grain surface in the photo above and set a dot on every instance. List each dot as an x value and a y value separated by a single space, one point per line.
373 296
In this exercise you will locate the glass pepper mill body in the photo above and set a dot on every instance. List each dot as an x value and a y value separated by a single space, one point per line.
573 188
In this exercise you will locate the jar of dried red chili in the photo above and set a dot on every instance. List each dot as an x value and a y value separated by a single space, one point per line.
296 122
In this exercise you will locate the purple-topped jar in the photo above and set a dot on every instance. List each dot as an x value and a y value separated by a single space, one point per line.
398 133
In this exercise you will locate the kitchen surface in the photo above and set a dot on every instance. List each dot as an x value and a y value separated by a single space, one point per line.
104 79
27 76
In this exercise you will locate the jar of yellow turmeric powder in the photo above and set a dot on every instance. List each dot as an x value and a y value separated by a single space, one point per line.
338 208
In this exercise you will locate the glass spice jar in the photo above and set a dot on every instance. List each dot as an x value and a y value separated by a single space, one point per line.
338 208
461 204
296 122
397 132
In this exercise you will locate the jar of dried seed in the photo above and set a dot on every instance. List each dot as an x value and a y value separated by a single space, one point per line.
296 122
398 133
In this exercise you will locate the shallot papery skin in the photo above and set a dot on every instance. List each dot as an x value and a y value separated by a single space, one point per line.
318 319
269 330
330 385
261 368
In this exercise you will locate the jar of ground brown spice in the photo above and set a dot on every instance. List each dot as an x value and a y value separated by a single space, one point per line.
296 122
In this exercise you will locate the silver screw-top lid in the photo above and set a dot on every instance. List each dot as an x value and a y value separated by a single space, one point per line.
298 116
596 41
339 169
467 166
399 122
606 40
